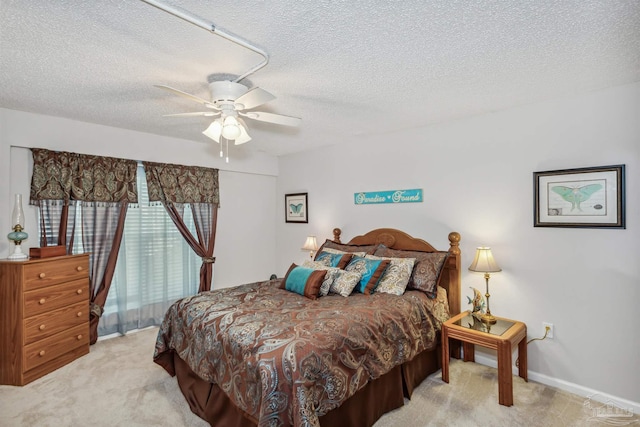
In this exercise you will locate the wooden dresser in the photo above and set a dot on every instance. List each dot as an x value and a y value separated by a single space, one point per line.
44 315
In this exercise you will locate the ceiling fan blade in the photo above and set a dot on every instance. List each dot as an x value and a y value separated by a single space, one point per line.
186 95
272 118
253 98
214 130
244 136
196 114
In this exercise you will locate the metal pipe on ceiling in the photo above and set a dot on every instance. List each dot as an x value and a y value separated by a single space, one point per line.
210 26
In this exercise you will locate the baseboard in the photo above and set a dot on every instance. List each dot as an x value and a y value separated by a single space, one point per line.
588 393
118 334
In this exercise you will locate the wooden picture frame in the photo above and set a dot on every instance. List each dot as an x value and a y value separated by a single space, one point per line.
296 208
592 197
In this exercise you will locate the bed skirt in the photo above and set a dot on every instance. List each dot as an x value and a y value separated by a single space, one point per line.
361 410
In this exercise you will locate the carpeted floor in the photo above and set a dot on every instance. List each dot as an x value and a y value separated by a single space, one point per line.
117 384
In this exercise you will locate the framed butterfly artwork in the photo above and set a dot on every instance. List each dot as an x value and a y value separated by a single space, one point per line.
591 197
296 208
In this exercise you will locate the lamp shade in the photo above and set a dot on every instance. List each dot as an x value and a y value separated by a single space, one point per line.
17 215
310 244
214 130
230 128
484 262
244 136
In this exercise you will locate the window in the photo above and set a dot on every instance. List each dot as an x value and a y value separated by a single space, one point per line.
155 267
155 264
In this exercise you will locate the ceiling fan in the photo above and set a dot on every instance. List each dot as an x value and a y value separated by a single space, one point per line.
230 101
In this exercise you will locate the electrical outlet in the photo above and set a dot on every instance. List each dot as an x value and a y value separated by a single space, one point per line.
546 325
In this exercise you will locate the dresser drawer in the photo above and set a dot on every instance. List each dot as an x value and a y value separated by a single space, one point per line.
49 348
50 298
47 324
47 273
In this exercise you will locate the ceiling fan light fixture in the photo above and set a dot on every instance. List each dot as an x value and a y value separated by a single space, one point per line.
230 102
231 128
244 136
214 130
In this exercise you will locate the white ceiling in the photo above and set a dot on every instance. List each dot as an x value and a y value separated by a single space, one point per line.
349 69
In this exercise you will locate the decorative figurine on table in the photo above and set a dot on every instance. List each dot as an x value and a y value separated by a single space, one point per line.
478 303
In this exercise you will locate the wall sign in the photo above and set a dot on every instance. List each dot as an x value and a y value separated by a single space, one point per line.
393 196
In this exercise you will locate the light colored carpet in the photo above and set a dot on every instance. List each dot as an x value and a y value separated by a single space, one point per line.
117 384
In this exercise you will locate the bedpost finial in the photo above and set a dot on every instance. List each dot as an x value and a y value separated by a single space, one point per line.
336 234
454 242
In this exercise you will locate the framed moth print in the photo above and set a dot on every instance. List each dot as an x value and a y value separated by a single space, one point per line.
583 198
296 208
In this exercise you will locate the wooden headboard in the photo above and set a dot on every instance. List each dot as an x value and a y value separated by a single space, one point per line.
396 239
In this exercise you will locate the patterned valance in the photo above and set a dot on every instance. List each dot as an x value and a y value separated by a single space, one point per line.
181 184
60 175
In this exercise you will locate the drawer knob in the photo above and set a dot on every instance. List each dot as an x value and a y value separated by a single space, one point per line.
79 291
41 353
42 327
41 275
42 301
79 268
79 314
79 337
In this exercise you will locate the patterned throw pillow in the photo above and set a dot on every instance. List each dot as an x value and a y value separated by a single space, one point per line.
330 244
426 271
333 258
396 277
304 281
371 271
345 282
336 281
329 279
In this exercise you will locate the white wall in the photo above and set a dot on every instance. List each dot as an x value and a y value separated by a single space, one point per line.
247 184
245 238
477 179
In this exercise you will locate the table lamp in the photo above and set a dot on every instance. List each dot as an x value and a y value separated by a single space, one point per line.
17 235
484 263
310 245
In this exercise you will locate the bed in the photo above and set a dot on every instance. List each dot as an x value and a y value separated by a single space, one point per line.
261 355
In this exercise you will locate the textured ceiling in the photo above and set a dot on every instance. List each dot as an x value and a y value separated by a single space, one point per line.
349 69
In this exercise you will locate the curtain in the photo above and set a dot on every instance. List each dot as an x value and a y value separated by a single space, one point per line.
102 228
155 267
60 175
53 231
176 186
102 188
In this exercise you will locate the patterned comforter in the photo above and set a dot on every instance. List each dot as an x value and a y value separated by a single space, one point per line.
285 359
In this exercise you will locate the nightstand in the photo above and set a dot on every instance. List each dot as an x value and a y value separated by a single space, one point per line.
501 336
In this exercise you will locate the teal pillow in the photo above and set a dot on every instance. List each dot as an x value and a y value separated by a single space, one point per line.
304 281
338 260
371 271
